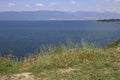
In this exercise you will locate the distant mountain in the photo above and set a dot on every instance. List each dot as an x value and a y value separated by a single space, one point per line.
57 15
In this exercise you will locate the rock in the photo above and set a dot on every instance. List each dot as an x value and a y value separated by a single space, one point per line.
5 78
22 76
118 50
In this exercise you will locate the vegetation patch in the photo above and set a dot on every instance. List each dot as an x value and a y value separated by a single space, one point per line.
75 61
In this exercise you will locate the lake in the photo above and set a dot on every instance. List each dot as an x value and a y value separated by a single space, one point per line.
23 37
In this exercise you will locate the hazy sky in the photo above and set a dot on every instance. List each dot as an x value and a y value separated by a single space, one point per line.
61 5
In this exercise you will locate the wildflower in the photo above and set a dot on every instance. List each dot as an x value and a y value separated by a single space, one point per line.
33 59
8 55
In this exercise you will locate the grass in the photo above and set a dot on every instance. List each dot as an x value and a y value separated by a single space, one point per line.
74 61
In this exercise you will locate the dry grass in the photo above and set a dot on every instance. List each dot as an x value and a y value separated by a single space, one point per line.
68 62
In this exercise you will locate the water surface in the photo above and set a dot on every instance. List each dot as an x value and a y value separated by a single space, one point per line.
22 37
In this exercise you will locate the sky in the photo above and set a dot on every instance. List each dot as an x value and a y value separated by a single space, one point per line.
61 5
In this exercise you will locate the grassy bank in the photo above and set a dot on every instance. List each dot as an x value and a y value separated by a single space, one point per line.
74 61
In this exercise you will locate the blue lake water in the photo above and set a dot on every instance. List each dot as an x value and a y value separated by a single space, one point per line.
22 37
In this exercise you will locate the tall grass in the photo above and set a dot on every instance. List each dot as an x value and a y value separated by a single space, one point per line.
91 60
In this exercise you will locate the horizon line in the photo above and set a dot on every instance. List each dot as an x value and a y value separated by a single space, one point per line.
61 11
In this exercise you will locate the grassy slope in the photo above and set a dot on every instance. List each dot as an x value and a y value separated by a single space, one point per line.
79 61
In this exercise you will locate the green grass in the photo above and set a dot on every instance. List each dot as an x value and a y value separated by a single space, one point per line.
74 61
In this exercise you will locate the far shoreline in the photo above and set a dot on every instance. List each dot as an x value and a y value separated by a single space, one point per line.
108 20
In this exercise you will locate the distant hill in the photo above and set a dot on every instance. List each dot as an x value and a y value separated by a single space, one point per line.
56 15
109 20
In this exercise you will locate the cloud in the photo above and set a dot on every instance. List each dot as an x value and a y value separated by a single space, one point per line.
11 4
53 3
106 0
27 5
39 4
115 9
116 0
75 3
